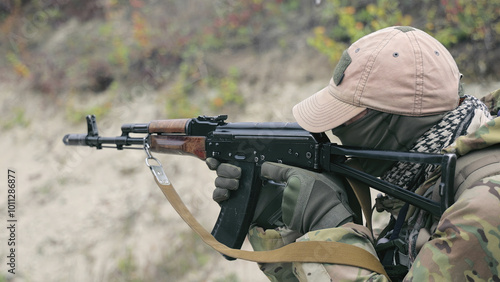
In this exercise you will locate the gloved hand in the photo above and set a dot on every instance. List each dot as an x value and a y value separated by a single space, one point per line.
311 201
268 210
228 178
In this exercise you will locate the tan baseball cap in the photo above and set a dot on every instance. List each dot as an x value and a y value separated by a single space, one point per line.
400 70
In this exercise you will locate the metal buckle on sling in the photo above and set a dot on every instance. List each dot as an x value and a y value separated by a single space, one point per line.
157 169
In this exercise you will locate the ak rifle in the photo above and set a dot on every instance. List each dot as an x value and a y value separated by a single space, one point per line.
248 145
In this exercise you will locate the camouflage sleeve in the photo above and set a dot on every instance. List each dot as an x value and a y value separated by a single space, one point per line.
465 246
349 233
492 101
271 239
485 136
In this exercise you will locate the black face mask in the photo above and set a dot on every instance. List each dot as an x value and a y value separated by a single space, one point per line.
384 131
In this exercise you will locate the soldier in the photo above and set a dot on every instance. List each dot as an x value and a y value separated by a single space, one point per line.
395 89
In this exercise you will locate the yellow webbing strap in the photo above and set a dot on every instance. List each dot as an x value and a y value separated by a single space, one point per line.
362 192
306 251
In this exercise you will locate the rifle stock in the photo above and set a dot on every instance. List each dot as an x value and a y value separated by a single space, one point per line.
248 145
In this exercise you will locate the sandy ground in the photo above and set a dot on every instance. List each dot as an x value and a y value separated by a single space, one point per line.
88 215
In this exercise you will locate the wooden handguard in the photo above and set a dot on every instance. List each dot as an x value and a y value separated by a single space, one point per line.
179 145
168 126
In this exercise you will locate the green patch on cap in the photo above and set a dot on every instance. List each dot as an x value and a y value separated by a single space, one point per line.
344 62
405 28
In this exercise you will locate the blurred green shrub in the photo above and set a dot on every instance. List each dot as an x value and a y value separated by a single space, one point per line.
457 21
16 117
347 21
227 90
469 29
149 43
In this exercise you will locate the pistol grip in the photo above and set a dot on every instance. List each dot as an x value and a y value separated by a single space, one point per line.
237 212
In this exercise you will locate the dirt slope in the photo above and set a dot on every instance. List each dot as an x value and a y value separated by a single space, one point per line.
87 215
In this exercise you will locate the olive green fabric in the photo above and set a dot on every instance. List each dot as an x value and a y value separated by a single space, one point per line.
384 131
344 62
311 200
405 28
227 179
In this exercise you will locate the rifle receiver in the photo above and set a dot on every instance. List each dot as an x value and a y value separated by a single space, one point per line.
248 145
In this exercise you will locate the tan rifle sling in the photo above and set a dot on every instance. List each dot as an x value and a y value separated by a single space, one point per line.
305 251
362 192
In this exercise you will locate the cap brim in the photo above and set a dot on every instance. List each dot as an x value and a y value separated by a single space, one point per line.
321 112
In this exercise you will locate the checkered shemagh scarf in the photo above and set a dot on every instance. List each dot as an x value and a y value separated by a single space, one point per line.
440 136
411 175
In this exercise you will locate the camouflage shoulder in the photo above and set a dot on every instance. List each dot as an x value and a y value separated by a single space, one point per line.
486 135
492 101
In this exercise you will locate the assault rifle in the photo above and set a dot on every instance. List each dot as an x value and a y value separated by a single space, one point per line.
248 145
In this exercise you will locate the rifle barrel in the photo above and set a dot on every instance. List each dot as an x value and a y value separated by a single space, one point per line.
98 141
